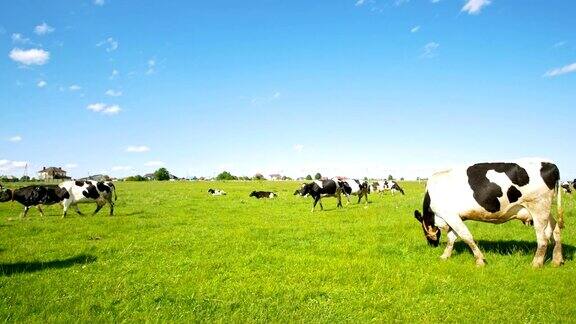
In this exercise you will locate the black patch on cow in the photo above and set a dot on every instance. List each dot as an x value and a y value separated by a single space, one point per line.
102 187
79 183
486 193
428 216
513 194
550 174
91 192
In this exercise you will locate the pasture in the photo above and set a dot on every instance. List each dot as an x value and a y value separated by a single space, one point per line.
172 252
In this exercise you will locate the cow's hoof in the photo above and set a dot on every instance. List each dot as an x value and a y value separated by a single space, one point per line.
536 264
480 262
444 257
557 263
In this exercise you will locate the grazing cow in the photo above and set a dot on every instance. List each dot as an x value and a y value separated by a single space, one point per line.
34 195
356 188
263 194
216 192
494 193
322 188
384 185
89 191
568 186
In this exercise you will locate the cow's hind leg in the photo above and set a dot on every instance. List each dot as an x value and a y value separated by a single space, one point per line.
540 224
99 206
458 226
553 230
111 202
78 210
450 244
25 212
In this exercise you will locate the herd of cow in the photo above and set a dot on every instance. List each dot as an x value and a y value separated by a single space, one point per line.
493 192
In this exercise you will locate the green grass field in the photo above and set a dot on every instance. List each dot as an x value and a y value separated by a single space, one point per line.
172 252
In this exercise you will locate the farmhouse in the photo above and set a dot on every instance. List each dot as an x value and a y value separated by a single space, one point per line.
275 177
52 173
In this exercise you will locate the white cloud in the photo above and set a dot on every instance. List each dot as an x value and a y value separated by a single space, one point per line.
74 87
111 44
570 68
41 84
15 139
71 166
360 2
114 74
30 57
113 93
19 39
560 44
7 165
415 29
137 149
121 168
298 147
474 7
43 29
154 164
400 2
434 1
99 2
258 101
430 50
151 66
104 108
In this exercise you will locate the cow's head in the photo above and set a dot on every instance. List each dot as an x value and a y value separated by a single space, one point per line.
306 189
253 194
5 194
296 192
431 231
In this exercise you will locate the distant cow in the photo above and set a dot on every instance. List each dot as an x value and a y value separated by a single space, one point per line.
263 194
568 186
322 188
88 191
216 192
494 193
34 195
386 185
356 188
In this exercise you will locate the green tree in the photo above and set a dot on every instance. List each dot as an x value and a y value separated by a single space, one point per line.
318 176
162 174
226 176
258 176
308 177
390 177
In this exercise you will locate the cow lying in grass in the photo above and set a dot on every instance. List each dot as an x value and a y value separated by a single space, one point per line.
494 193
34 195
263 194
216 192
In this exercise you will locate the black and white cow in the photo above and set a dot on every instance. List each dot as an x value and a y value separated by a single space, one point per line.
494 193
34 195
320 189
88 191
568 186
216 192
263 194
356 188
386 185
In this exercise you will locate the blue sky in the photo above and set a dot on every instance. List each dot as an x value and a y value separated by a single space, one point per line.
346 87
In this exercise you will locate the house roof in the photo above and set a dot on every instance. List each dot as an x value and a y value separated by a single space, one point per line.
52 169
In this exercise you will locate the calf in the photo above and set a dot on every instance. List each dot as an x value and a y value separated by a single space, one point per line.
34 195
385 185
89 191
216 192
494 193
322 188
356 188
263 194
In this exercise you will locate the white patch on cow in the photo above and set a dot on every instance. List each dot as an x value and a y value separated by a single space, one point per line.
271 195
319 183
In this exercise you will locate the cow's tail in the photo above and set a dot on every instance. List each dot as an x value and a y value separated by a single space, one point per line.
559 209
114 189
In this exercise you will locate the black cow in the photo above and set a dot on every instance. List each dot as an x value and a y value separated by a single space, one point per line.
35 195
263 194
322 188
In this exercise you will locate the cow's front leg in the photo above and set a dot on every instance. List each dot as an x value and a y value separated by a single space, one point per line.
458 226
40 210
316 199
25 212
450 245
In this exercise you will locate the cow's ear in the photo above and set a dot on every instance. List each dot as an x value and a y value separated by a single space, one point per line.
418 216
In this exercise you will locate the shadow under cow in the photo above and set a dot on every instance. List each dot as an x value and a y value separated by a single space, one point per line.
8 269
514 247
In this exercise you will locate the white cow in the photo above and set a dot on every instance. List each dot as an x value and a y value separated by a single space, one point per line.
494 193
89 191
